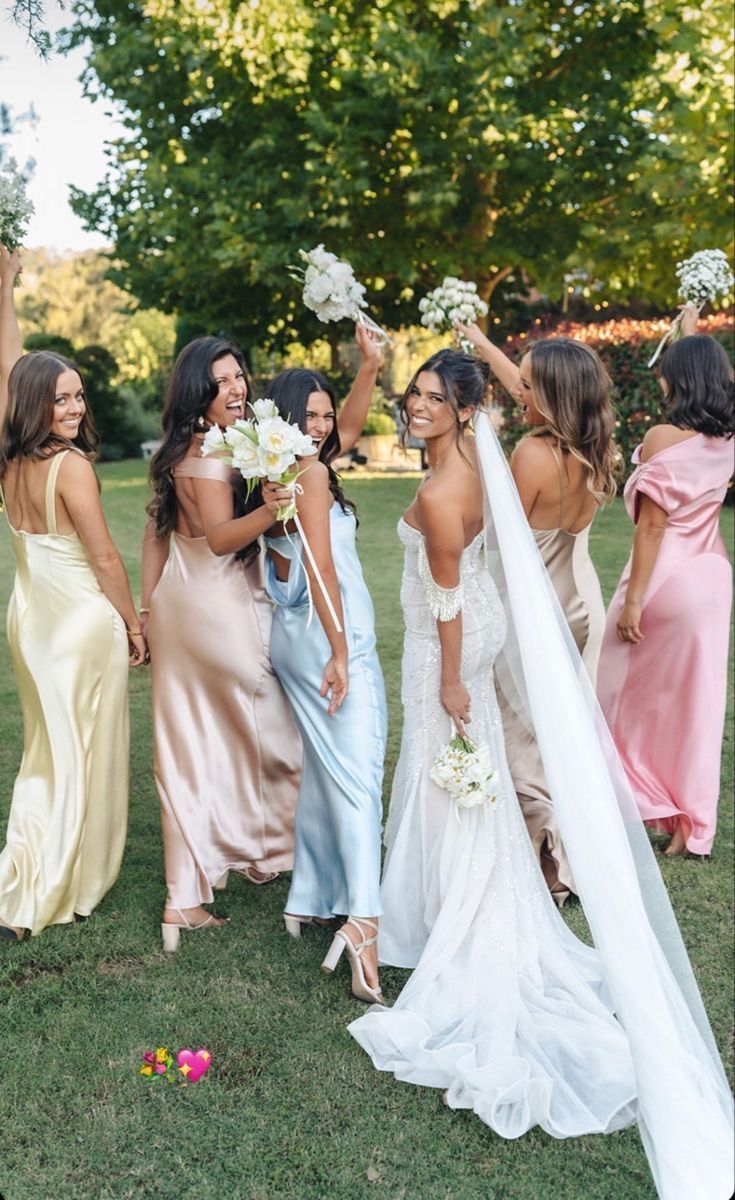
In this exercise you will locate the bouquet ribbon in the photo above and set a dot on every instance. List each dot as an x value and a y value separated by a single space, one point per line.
297 490
670 333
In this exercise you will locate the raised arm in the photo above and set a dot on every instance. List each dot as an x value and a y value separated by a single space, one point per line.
352 415
77 487
501 366
11 345
441 521
313 508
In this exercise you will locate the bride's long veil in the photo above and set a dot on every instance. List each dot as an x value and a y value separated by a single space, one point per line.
685 1106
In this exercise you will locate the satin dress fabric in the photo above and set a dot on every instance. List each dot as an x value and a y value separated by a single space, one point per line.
68 817
573 576
339 812
227 755
505 1009
664 698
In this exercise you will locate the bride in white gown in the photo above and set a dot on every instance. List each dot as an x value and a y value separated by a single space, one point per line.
507 1011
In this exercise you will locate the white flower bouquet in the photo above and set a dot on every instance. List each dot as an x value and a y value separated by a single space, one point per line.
266 446
15 208
456 300
262 447
467 772
704 277
331 290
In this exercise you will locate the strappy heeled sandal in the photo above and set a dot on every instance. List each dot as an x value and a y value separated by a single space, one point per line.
171 930
247 873
343 942
295 925
269 877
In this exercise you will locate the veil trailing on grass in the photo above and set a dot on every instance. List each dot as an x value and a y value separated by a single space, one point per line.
684 1104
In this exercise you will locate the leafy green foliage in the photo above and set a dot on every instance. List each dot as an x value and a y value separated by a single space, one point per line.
414 139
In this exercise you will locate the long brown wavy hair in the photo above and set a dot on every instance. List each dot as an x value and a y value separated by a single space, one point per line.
26 430
574 393
190 392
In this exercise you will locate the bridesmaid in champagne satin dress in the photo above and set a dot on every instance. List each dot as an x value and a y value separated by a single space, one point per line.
66 626
227 753
663 668
563 473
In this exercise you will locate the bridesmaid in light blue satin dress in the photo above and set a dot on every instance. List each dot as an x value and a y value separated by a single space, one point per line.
332 679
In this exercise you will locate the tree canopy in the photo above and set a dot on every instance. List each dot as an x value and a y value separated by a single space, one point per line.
416 139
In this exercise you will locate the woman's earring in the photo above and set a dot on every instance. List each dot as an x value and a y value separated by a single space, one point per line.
201 422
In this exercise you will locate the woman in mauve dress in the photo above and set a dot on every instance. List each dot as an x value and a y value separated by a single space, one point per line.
663 669
227 752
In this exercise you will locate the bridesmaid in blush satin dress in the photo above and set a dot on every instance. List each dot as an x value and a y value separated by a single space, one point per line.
227 752
564 471
663 669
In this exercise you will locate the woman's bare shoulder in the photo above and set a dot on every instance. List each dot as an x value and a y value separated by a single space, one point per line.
661 437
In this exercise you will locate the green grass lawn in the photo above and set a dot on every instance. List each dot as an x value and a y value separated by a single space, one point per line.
291 1107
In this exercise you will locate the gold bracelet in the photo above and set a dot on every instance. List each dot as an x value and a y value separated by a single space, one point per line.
144 610
134 632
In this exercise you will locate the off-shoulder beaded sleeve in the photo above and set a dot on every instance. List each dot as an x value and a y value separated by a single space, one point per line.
444 603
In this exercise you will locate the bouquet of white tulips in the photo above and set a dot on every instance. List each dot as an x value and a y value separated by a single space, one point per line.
704 277
467 772
262 447
456 300
331 290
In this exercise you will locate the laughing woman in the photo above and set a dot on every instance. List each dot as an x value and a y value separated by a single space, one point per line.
227 753
71 625
329 668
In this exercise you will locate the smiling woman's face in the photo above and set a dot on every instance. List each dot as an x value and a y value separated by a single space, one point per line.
69 405
229 403
429 414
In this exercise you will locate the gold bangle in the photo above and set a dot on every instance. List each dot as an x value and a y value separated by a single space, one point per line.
134 632
144 610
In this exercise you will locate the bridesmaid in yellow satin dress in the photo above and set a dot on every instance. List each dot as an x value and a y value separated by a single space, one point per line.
71 624
564 471
226 749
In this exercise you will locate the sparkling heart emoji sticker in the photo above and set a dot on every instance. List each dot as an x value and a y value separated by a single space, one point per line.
192 1066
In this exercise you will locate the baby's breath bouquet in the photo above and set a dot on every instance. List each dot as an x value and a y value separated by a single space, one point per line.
456 300
467 772
331 290
263 447
704 277
16 209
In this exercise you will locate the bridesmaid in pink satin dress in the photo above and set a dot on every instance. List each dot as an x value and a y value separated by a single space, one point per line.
662 676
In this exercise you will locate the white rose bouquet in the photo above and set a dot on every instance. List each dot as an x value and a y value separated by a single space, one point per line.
266 446
456 300
467 772
263 447
704 277
331 290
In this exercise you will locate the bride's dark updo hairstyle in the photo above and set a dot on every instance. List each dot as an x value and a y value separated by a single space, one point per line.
290 393
464 382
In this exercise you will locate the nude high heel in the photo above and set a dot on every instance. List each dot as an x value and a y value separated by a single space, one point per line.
171 931
343 942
